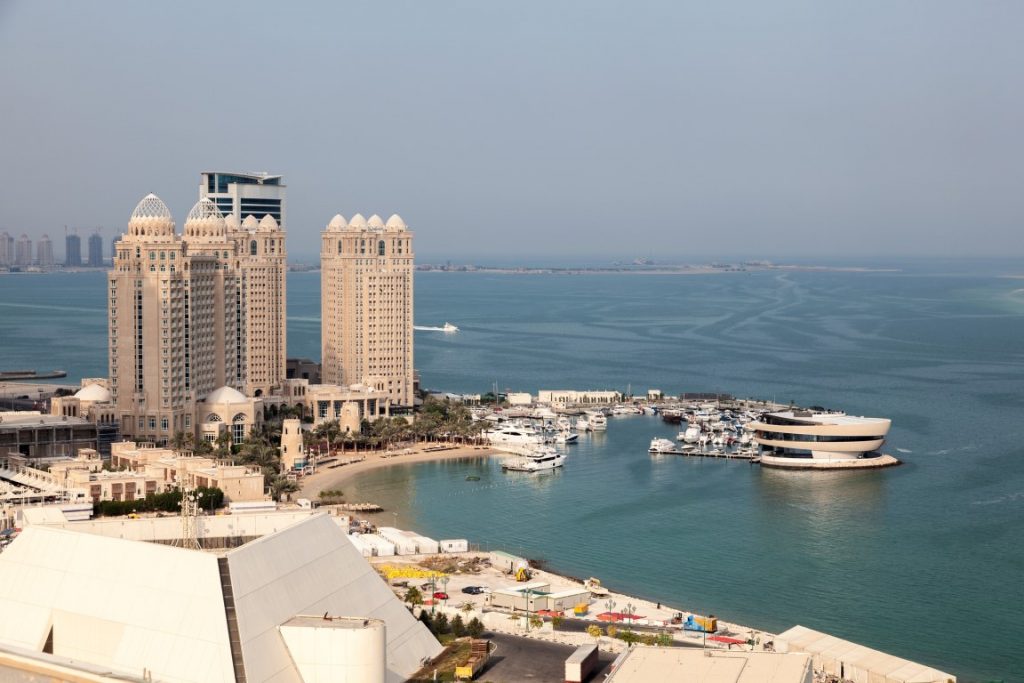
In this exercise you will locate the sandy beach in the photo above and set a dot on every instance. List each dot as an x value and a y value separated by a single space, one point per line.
332 478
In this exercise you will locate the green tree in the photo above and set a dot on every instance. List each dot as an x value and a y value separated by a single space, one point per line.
475 628
413 596
441 624
594 631
458 627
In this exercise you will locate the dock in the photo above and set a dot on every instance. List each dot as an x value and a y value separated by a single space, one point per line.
708 454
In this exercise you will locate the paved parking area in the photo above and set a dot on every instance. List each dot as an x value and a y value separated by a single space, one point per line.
525 659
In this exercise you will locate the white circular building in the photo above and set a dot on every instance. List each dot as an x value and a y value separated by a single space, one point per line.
803 439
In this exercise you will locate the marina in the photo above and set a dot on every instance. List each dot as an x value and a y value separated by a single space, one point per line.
960 475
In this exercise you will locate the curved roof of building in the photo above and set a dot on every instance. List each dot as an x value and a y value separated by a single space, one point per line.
357 222
230 221
94 392
268 223
226 395
375 222
250 222
337 223
396 222
203 210
151 206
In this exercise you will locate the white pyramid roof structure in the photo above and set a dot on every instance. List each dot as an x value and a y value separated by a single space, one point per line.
131 605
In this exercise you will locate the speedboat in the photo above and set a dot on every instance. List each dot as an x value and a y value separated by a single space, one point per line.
661 446
566 437
535 460
448 327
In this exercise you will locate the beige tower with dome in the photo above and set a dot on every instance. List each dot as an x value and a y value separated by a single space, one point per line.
366 301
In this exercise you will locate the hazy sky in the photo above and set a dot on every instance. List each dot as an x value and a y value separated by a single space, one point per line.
667 129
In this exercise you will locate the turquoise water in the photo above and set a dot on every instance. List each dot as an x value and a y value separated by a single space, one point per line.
924 560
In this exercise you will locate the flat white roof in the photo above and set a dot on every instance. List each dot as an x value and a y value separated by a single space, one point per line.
643 664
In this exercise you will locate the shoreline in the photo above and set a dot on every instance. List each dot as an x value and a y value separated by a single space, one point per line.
326 478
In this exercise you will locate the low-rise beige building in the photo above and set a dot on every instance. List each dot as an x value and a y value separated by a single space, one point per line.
348 405
170 469
227 409
572 397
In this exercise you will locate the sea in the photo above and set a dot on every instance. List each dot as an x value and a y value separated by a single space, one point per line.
925 560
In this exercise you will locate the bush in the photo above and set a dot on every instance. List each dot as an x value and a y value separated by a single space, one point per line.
628 637
475 628
210 499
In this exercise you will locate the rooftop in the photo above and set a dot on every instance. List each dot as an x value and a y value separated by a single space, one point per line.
643 664
813 418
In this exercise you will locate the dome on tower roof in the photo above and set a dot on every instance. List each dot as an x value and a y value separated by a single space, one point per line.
225 395
97 393
204 210
357 222
396 222
268 223
151 206
250 222
375 222
337 223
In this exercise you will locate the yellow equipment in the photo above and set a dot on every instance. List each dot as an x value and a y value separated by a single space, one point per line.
522 574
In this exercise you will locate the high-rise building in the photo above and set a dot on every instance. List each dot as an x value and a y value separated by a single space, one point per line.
44 252
254 209
72 251
23 251
95 251
170 319
6 249
245 194
366 305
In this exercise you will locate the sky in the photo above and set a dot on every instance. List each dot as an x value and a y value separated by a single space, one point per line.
533 131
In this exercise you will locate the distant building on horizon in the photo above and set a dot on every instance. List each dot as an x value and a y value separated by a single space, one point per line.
95 251
6 249
72 251
23 251
366 302
44 252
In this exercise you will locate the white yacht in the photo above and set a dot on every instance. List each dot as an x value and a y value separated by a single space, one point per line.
582 424
514 435
597 422
661 446
691 435
536 460
448 327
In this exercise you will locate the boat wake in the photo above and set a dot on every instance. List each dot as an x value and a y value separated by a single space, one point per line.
1010 497
904 450
447 327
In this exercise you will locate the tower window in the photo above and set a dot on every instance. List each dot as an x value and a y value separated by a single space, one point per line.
252 247
380 248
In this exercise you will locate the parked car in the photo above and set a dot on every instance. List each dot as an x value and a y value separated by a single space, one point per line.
440 595
473 590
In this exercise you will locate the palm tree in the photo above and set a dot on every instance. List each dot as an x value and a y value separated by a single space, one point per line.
223 442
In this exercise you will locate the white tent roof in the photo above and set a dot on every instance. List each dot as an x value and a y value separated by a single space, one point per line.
859 663
132 605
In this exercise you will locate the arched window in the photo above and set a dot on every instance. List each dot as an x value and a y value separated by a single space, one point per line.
252 247
213 417
339 246
380 248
